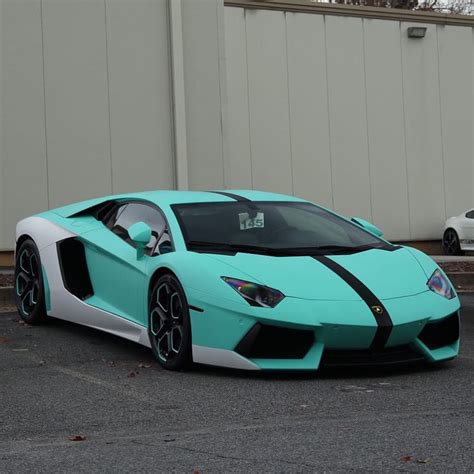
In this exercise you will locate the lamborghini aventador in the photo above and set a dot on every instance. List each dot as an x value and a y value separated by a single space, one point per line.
241 279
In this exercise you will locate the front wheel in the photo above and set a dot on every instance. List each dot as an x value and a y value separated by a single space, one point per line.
169 327
451 244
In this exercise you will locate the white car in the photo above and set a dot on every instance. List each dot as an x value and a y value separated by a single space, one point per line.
458 235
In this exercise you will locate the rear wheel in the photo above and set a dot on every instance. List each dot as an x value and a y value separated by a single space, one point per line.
169 325
29 288
451 244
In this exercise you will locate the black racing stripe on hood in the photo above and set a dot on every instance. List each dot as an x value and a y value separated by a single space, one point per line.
383 319
232 196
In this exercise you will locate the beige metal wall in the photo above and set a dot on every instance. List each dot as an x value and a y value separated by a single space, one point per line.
86 107
353 114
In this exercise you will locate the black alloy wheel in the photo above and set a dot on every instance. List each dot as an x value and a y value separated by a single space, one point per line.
29 288
169 325
451 245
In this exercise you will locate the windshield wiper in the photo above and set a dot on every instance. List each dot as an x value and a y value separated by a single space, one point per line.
234 248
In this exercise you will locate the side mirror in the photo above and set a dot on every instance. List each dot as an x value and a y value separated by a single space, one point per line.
140 233
367 226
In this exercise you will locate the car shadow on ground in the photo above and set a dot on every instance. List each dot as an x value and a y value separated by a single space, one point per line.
133 351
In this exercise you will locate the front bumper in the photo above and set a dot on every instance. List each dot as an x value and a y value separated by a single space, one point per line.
306 334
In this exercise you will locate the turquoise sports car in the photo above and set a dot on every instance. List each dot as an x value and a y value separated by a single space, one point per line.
242 279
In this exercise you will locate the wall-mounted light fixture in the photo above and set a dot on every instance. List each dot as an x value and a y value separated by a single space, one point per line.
416 31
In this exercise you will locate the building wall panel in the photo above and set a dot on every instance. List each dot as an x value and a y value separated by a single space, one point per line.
238 126
455 80
309 126
268 101
23 167
423 134
77 120
348 116
140 95
385 122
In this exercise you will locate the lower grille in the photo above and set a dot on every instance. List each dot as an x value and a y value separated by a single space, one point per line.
440 333
275 342
393 355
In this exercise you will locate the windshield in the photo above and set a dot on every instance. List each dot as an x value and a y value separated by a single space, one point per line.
278 228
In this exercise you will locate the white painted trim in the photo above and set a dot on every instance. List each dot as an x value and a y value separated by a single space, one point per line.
178 94
221 358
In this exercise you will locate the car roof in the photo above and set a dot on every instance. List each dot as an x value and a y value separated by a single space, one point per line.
184 197
168 198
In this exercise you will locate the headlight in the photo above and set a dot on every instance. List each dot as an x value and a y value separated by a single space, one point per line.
254 294
440 285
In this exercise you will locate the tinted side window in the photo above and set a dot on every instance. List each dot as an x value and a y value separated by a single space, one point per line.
470 215
131 213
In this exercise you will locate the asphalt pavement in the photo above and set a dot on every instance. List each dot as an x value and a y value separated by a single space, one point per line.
62 382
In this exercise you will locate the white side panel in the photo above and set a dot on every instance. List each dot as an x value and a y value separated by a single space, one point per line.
23 174
423 134
348 116
64 305
140 96
42 231
268 92
310 150
238 138
221 358
77 120
455 78
388 170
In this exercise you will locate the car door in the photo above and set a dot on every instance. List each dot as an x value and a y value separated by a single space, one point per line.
118 277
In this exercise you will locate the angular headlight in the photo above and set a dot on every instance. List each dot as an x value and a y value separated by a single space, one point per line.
441 285
254 294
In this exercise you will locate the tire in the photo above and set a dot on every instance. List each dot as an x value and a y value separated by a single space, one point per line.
451 245
29 286
169 325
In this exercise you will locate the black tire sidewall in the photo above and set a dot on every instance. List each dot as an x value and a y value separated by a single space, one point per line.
458 250
183 360
38 315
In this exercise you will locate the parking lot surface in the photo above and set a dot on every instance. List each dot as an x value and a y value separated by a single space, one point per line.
62 382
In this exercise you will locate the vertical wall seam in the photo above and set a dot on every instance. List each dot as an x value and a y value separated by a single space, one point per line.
405 146
221 78
174 148
248 97
328 110
441 124
108 97
364 59
285 18
44 106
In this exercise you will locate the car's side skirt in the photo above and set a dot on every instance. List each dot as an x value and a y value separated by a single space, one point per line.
222 358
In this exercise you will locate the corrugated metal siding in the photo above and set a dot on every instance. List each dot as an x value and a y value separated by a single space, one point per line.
352 113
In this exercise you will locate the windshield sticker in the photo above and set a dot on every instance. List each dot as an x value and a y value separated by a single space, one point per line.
247 222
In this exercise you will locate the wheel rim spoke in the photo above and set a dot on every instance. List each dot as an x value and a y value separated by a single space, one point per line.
166 320
27 281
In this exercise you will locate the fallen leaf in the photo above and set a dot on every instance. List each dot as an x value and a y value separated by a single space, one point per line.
77 438
132 374
406 458
169 440
423 461
144 366
4 340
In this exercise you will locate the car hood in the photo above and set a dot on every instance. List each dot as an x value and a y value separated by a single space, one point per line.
388 274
